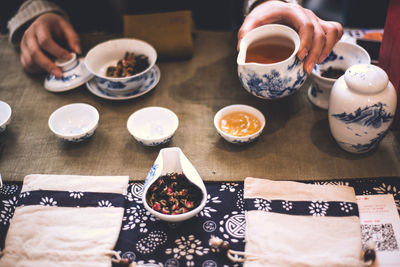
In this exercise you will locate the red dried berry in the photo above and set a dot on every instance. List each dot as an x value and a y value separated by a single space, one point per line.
157 206
170 191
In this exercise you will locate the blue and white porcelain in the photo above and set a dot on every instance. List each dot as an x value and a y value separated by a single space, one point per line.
108 53
172 160
153 126
240 140
74 75
5 116
343 55
271 81
362 105
74 122
152 79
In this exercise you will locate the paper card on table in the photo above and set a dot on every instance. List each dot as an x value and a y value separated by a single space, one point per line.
380 222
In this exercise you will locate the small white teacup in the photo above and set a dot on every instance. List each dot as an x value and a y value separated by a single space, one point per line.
267 63
343 55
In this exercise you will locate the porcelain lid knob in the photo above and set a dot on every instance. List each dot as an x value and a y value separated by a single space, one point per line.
366 78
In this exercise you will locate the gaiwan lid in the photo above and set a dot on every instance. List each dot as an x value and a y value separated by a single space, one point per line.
366 78
74 74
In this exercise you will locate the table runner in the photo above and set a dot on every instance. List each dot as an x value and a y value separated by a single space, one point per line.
147 240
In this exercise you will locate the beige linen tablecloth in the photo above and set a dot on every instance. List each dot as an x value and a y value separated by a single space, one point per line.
295 145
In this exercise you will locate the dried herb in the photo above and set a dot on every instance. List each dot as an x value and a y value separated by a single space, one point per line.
130 65
333 73
173 194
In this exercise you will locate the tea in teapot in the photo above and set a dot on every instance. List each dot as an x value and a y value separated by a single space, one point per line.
271 50
267 63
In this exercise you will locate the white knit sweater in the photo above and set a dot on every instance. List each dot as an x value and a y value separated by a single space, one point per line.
28 11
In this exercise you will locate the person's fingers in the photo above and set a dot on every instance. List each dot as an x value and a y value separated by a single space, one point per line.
339 29
331 33
247 25
40 59
26 63
318 43
71 37
306 34
47 43
25 58
258 17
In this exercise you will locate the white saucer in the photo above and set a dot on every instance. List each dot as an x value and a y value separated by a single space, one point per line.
72 78
149 84
318 97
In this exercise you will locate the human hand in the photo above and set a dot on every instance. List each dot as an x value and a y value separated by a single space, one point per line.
38 42
317 36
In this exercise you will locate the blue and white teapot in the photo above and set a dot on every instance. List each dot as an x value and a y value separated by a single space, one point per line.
271 80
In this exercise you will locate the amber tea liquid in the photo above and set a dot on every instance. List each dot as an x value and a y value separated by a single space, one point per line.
271 50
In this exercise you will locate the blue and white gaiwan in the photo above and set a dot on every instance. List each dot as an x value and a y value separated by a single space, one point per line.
276 80
342 56
108 53
362 105
74 74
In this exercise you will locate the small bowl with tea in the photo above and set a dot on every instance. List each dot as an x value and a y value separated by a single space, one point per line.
121 65
343 55
267 63
173 197
239 124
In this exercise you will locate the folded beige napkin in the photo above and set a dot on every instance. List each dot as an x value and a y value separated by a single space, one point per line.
297 224
169 32
51 234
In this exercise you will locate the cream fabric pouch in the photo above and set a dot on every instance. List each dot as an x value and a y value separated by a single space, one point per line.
298 224
65 220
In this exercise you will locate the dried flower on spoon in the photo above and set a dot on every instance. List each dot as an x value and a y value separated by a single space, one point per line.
173 194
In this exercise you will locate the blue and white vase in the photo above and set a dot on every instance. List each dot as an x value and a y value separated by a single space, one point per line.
362 105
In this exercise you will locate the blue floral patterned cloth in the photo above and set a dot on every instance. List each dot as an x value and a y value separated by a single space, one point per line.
147 240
